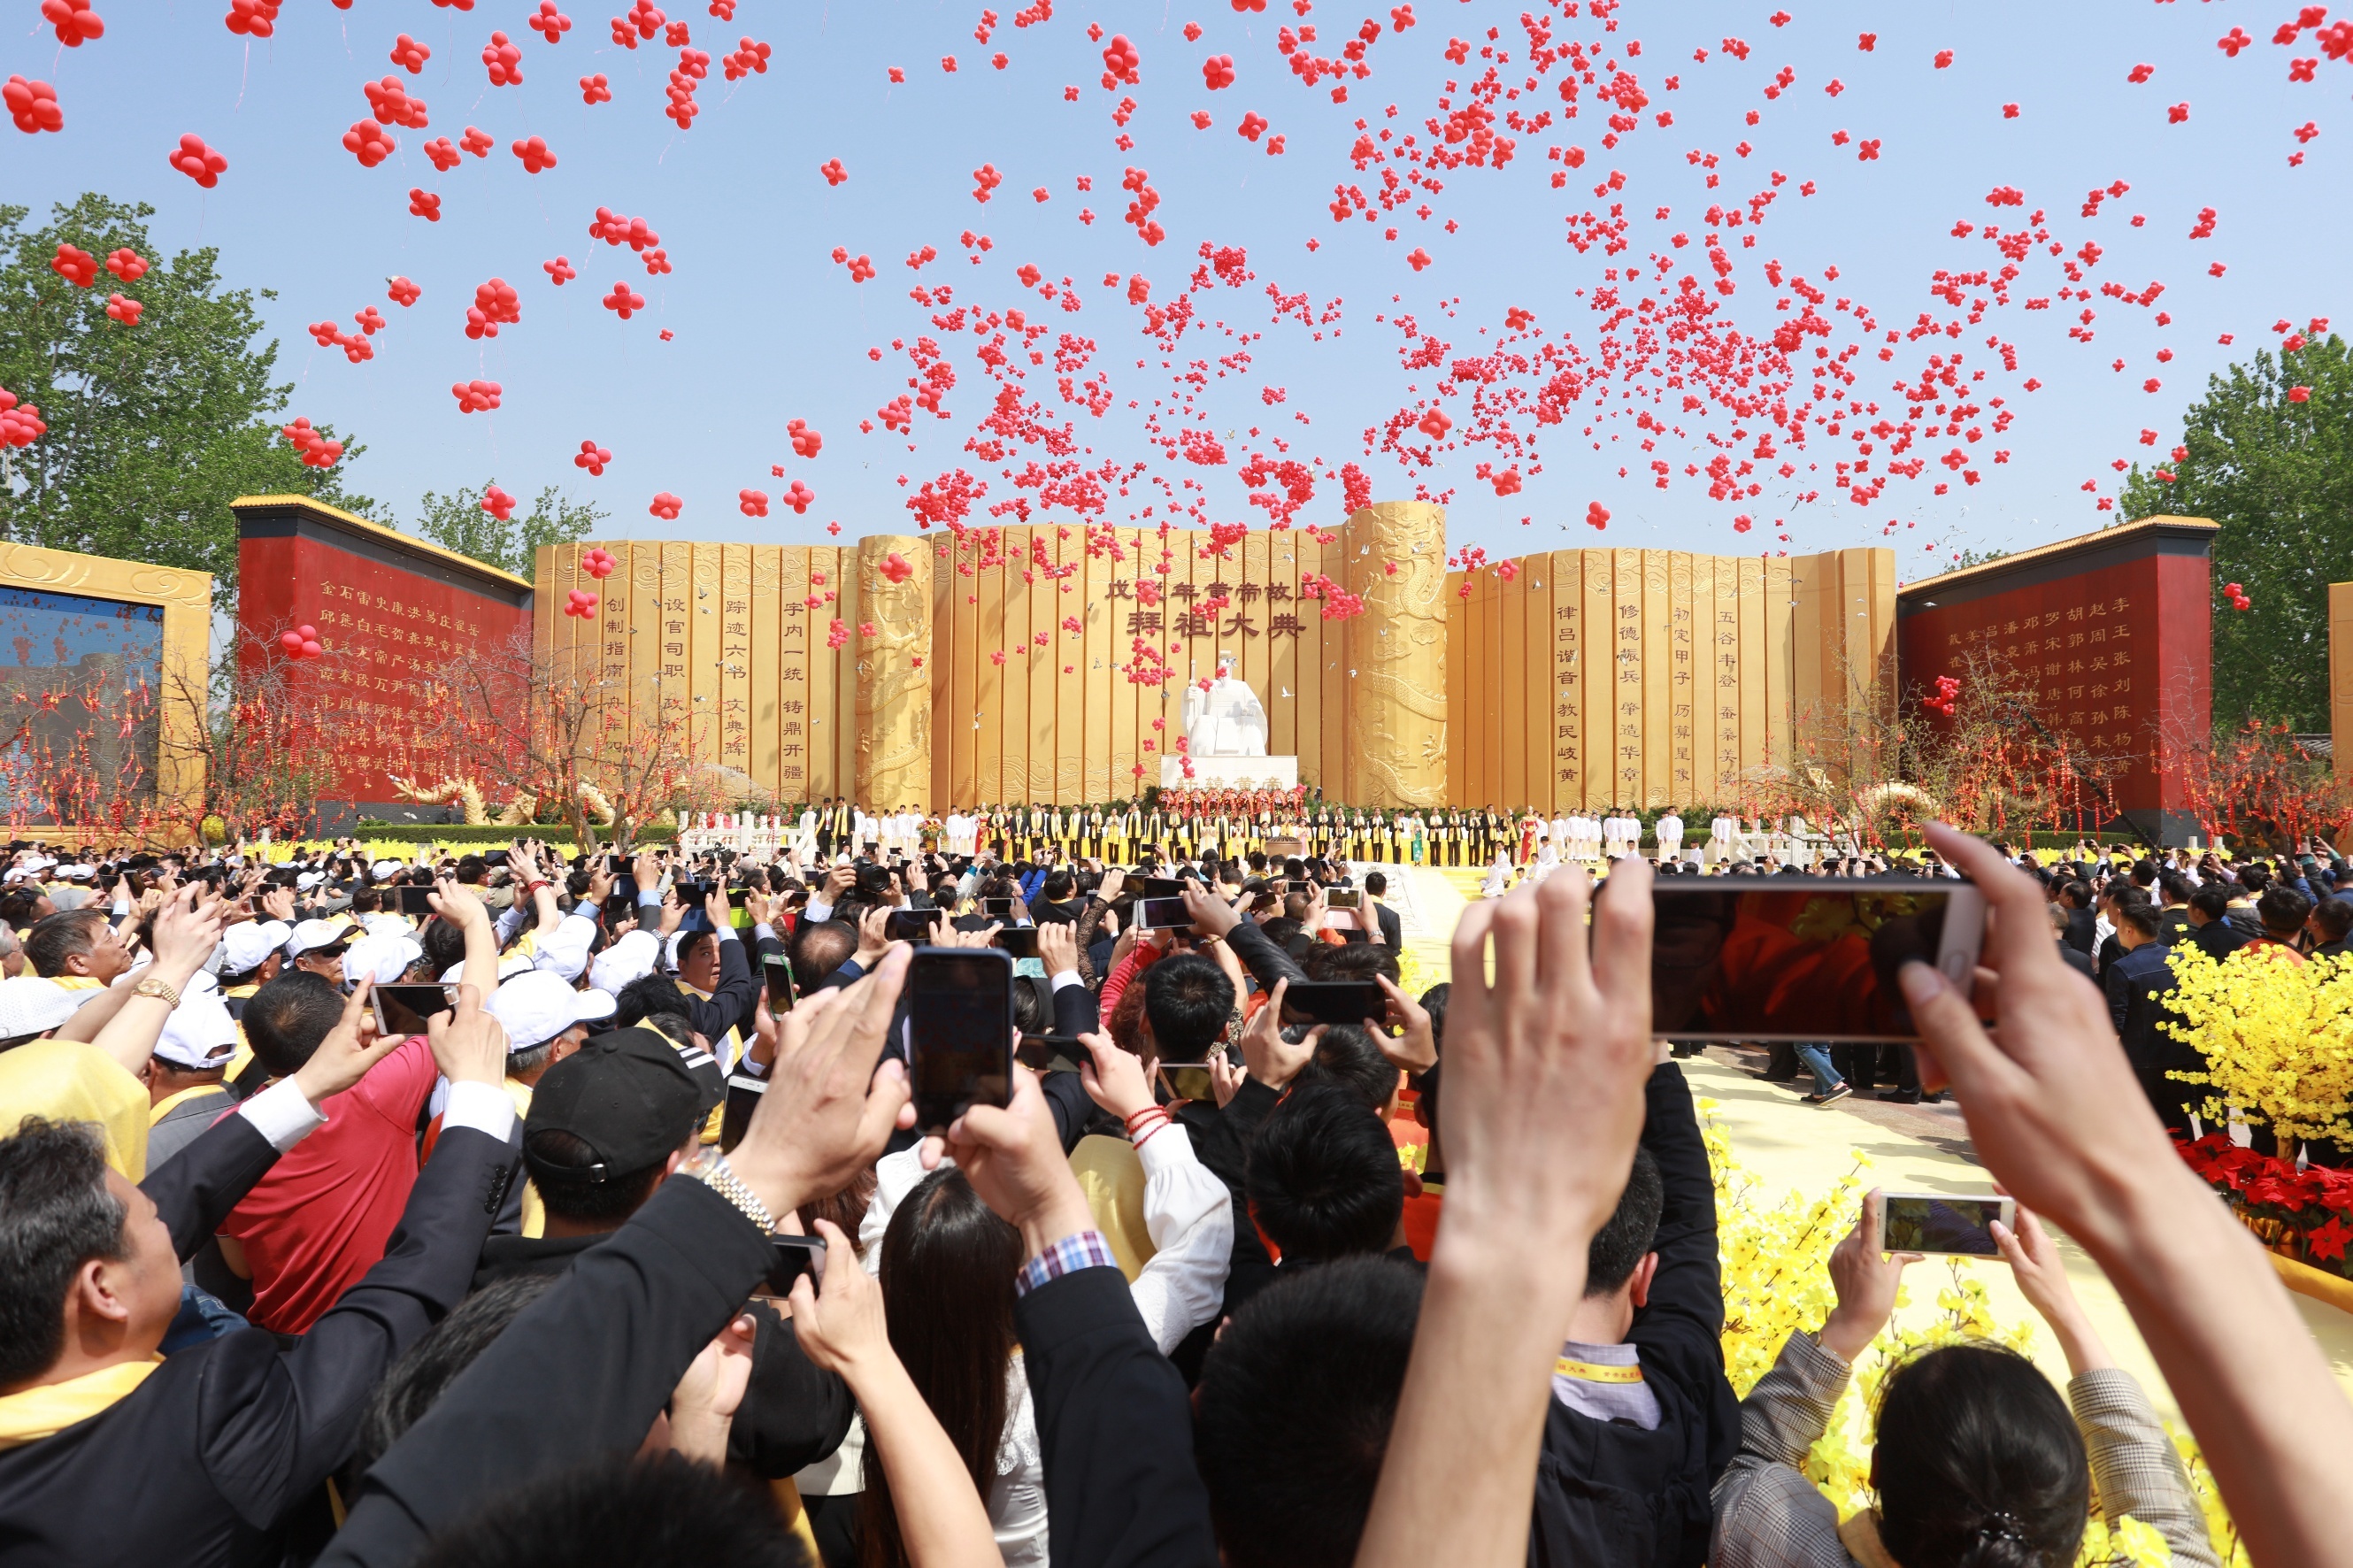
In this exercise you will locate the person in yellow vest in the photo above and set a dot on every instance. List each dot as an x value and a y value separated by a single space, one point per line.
187 1075
546 1020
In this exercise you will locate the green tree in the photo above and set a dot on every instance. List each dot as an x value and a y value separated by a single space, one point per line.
456 521
2277 473
153 429
1975 557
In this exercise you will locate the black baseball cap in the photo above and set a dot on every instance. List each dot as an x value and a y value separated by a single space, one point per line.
629 1095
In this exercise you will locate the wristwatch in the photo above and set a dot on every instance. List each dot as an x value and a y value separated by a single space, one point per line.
151 986
710 1168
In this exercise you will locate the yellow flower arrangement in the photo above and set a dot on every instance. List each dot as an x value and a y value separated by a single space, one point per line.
2276 1036
1776 1264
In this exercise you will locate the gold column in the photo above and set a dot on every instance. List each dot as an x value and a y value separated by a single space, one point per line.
894 692
2340 677
1396 695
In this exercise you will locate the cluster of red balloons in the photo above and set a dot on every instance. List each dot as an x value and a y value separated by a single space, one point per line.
805 441
444 154
1948 689
2238 597
303 642
615 229
581 603
666 506
600 563
642 20
410 54
19 425
388 102
127 264
897 567
551 22
123 308
559 271
624 301
33 105
476 140
754 503
368 141
596 89
833 172
496 304
750 58
252 18
1597 514
327 335
532 151
504 61
75 23
75 265
799 497
318 451
423 203
402 292
593 457
198 161
498 503
475 396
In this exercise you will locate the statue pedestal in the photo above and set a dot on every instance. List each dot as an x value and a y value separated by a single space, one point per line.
1231 773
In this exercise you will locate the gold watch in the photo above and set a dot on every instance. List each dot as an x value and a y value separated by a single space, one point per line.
151 986
710 1168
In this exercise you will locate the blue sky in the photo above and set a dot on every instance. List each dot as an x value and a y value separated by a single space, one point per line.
767 328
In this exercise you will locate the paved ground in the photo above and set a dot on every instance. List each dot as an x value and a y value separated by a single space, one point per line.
1794 1147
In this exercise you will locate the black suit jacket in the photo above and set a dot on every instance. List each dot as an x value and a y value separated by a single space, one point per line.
202 1462
578 1377
1392 926
2136 983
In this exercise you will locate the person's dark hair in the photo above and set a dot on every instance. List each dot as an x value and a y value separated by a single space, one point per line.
69 933
286 1019
1323 1179
1292 1415
819 948
425 1370
1434 1003
2173 885
2211 899
1377 883
1348 1056
646 997
2137 914
1187 999
1617 1247
366 901
673 1026
557 1161
2078 894
622 1513
1980 1464
1033 1008
56 1214
2283 910
444 944
2334 917
947 1271
17 906
2146 871
1357 960
1057 885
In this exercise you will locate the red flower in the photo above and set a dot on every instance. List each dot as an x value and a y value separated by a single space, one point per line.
2329 1240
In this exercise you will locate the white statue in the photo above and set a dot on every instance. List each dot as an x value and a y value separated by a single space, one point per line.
1222 717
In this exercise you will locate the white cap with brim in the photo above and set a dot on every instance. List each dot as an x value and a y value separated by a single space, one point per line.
245 948
30 1005
384 959
563 951
199 1033
538 1006
311 935
630 959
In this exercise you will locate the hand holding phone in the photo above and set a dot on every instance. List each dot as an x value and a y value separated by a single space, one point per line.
1959 1224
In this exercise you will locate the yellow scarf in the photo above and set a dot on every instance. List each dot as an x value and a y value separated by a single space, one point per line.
164 1107
65 1080
45 1411
77 982
1111 1175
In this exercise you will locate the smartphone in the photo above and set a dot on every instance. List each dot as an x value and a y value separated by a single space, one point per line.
1806 960
996 909
960 1031
908 925
1299 884
1345 898
415 900
744 1092
1162 915
1944 1222
1160 887
424 1001
1051 1053
1189 1080
621 865
779 970
1334 1001
736 897
497 857
1021 941
692 895
794 1257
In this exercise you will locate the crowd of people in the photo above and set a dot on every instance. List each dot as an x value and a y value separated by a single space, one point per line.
529 1207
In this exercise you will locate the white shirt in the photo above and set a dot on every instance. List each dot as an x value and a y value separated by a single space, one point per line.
1669 829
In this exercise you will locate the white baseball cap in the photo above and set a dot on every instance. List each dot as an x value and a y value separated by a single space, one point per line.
31 1005
383 958
310 935
538 1006
246 947
631 958
199 1033
563 951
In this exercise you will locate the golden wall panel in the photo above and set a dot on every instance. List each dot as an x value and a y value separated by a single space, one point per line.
760 684
797 732
1397 698
894 689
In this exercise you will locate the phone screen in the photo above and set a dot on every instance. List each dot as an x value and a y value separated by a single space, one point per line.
744 1093
1189 1080
1162 914
1161 887
1333 1002
1345 898
960 1027
1021 941
415 900
779 970
1051 1053
496 858
424 1001
736 897
621 865
907 925
996 909
1752 959
1940 1222
794 1257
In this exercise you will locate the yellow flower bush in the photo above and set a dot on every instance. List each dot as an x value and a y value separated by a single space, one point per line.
2276 1035
1775 1262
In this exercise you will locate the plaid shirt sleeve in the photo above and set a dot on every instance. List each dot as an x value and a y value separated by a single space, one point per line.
2134 1467
1086 1249
1767 1514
